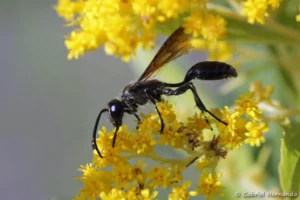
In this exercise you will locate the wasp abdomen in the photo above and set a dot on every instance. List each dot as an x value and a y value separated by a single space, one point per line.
210 70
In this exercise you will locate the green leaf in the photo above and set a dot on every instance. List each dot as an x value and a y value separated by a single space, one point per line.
289 167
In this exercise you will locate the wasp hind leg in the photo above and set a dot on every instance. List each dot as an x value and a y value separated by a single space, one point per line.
189 86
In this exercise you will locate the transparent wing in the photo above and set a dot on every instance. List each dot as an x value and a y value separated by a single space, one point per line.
176 45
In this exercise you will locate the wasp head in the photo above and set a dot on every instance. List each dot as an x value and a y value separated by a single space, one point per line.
116 111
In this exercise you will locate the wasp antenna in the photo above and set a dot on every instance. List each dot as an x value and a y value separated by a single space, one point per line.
94 143
115 136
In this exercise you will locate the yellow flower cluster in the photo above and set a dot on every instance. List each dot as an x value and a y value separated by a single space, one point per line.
124 173
219 50
257 10
124 26
210 26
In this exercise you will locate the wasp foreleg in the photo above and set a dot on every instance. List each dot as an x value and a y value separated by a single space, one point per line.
152 99
139 121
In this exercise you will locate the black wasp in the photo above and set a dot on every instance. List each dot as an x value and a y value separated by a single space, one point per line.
144 90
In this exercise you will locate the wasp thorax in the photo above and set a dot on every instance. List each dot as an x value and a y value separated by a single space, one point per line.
127 96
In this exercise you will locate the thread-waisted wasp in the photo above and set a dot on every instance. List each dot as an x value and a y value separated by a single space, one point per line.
144 91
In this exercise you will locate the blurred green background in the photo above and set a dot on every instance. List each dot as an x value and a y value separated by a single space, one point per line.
48 104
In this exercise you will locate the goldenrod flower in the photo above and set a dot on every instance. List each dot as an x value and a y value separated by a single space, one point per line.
274 3
68 8
149 123
210 26
193 24
122 175
167 112
172 8
255 131
262 93
124 26
181 192
256 10
176 176
204 163
94 182
160 176
210 185
232 135
113 194
214 27
145 8
197 122
143 142
172 135
139 173
146 194
248 105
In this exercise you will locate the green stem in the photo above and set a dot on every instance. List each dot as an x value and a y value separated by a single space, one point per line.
240 29
290 113
153 156
282 115
285 74
235 5
292 34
